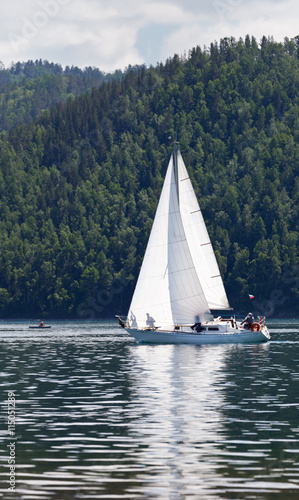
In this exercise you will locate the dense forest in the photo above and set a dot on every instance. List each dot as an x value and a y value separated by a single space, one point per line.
81 173
27 89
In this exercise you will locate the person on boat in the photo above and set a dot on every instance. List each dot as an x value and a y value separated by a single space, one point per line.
247 322
196 326
150 321
41 324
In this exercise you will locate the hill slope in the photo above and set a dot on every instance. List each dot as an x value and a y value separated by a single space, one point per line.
27 89
79 187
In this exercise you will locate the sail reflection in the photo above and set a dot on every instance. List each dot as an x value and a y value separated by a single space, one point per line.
178 416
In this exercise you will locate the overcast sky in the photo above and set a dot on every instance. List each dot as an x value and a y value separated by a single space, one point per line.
112 34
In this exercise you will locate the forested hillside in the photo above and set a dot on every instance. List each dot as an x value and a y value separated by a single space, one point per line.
27 89
79 186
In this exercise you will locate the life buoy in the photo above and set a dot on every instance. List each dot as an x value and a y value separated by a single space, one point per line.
255 327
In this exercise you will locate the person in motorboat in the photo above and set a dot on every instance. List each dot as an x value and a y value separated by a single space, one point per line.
248 321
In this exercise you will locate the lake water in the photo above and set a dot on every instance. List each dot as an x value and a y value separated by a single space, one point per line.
101 417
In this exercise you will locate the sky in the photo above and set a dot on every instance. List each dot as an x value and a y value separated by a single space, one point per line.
113 34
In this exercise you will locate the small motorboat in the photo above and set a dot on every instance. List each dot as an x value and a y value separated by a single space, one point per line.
39 327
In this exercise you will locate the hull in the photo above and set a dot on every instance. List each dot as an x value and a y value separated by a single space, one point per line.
165 337
40 327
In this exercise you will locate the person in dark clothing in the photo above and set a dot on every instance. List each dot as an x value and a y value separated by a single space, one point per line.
247 322
196 327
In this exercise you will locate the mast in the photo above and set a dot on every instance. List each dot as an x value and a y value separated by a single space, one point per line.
175 162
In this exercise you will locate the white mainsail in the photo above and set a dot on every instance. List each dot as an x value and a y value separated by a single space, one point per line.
179 280
199 242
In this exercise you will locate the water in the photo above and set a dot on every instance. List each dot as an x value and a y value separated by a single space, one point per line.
101 417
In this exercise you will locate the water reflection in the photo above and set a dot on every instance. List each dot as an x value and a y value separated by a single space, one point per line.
178 416
101 417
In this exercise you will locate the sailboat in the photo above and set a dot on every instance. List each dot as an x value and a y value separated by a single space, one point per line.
179 283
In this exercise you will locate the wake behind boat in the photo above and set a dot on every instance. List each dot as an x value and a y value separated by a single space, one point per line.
179 281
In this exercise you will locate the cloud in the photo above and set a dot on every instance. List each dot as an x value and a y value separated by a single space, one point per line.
72 33
122 32
234 18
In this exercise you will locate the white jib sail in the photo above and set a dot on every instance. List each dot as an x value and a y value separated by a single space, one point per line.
168 291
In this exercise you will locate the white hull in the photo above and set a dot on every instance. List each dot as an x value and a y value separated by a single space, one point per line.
241 336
